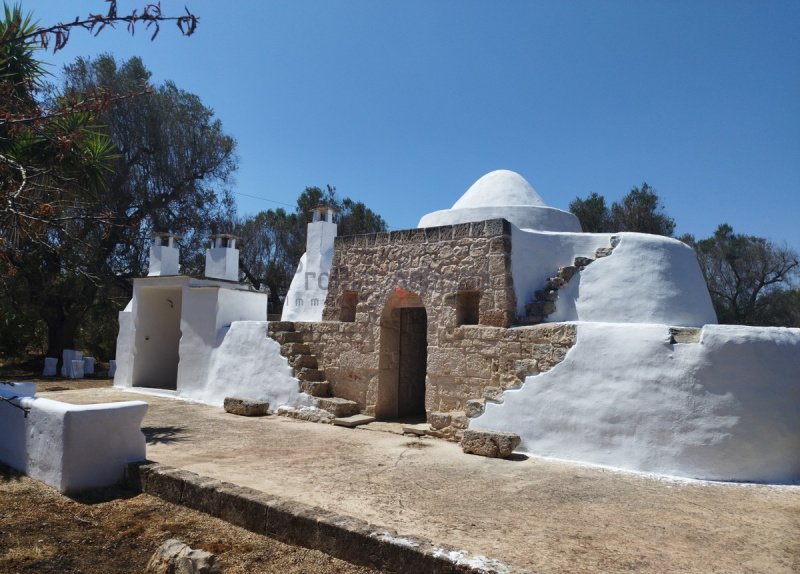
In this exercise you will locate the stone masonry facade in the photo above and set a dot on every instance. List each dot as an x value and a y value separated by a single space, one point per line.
461 275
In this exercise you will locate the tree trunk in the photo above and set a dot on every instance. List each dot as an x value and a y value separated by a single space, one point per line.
62 329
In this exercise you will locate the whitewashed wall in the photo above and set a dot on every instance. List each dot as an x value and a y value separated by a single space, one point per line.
647 278
726 408
71 447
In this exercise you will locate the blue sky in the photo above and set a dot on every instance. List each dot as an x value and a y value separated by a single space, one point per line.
403 105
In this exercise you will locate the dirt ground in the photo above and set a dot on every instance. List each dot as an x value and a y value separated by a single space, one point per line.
114 532
537 514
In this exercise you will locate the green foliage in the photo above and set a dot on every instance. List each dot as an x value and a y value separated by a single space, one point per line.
749 278
641 211
156 159
593 213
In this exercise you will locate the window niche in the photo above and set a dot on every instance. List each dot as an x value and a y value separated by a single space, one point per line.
467 307
347 307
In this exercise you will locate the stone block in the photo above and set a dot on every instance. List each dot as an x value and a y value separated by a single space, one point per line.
88 365
474 408
276 326
581 262
493 444
438 420
353 420
246 407
289 349
500 245
495 318
284 337
306 374
603 252
316 388
459 420
493 394
338 407
567 272
545 295
497 227
50 367
420 429
526 367
304 361
175 557
461 230
76 372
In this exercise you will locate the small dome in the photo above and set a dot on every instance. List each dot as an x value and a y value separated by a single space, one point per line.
500 188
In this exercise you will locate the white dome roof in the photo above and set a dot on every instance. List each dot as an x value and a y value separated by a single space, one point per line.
504 194
500 188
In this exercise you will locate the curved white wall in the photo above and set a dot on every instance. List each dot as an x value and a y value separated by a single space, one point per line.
246 363
647 278
726 408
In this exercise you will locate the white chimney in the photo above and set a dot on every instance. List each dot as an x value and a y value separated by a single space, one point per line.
222 260
164 255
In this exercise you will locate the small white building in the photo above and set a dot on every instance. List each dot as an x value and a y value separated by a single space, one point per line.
181 335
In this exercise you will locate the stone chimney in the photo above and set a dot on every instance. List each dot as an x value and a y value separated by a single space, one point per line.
323 213
164 255
222 259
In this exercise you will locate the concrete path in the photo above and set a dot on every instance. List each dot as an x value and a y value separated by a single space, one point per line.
533 514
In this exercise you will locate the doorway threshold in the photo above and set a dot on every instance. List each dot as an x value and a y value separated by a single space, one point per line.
415 426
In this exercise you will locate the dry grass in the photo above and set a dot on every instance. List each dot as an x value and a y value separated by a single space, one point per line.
115 531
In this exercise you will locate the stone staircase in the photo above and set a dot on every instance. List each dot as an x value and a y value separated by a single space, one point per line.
544 300
307 371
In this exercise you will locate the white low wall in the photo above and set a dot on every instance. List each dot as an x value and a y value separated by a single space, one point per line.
70 447
726 408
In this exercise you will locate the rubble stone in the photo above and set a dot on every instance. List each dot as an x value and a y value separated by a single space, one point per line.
493 444
175 557
246 407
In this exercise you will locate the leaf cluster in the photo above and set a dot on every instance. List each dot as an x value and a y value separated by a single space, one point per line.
641 210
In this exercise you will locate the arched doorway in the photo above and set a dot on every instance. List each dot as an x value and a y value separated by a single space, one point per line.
403 357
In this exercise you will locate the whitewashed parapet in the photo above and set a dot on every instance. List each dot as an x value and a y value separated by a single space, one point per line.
69 447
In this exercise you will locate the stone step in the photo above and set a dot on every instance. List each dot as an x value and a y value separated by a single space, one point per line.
567 272
603 252
310 375
290 349
555 283
546 295
276 326
581 262
337 406
353 421
284 337
316 388
540 308
420 429
304 361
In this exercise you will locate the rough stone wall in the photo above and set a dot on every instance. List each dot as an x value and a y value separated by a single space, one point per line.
464 362
435 263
